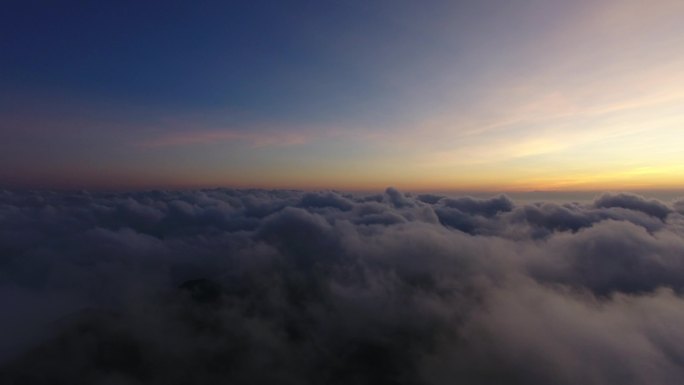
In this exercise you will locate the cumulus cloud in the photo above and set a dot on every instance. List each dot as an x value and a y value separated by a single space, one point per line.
634 202
257 286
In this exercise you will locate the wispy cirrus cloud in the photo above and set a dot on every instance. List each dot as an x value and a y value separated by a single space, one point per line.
254 139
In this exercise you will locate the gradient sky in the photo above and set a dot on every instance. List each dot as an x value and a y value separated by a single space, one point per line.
469 95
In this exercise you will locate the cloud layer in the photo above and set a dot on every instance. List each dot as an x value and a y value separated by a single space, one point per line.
254 286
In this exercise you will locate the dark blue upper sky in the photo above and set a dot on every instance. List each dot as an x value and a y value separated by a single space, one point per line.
297 60
254 57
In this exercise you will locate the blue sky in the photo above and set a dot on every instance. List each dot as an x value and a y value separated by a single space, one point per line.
355 94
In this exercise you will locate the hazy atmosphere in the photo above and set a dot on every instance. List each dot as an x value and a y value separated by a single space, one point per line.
342 192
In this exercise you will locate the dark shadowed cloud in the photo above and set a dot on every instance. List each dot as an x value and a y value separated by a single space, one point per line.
257 286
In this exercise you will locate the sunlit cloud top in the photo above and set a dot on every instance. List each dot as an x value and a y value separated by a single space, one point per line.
473 95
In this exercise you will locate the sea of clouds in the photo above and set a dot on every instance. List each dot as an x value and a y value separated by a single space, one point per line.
287 287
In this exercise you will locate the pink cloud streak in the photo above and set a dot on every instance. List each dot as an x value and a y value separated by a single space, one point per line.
256 139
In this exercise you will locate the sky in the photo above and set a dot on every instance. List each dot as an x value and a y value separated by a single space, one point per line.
488 95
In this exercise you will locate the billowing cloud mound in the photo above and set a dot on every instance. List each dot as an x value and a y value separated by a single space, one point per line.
256 287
